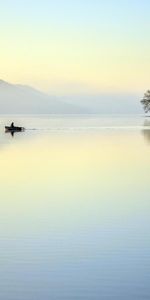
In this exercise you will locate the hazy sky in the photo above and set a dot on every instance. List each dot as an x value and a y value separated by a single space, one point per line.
79 46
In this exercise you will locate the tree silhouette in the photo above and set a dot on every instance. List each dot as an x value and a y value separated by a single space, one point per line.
146 101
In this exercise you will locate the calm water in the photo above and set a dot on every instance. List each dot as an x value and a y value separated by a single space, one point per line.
75 208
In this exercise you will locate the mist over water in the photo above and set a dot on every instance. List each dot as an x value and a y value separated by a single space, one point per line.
75 210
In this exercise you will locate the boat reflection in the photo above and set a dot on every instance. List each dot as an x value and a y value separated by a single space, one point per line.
12 132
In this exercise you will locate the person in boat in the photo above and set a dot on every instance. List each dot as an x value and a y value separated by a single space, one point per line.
12 125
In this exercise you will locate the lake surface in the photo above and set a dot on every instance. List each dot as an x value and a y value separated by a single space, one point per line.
75 208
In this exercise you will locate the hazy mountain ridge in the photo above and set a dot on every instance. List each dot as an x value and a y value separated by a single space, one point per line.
25 99
107 103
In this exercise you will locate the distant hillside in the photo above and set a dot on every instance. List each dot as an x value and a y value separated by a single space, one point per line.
107 103
27 100
24 99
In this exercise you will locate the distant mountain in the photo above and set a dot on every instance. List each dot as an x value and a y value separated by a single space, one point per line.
109 103
27 100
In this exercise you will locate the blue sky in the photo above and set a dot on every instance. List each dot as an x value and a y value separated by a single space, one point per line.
74 44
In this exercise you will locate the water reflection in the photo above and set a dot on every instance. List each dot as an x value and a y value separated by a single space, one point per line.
74 213
13 132
10 132
146 130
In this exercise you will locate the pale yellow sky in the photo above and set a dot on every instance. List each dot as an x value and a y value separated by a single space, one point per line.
76 48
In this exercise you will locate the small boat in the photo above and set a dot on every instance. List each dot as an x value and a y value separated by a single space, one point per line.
14 129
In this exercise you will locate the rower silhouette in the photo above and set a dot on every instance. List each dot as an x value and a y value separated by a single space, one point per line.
12 125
